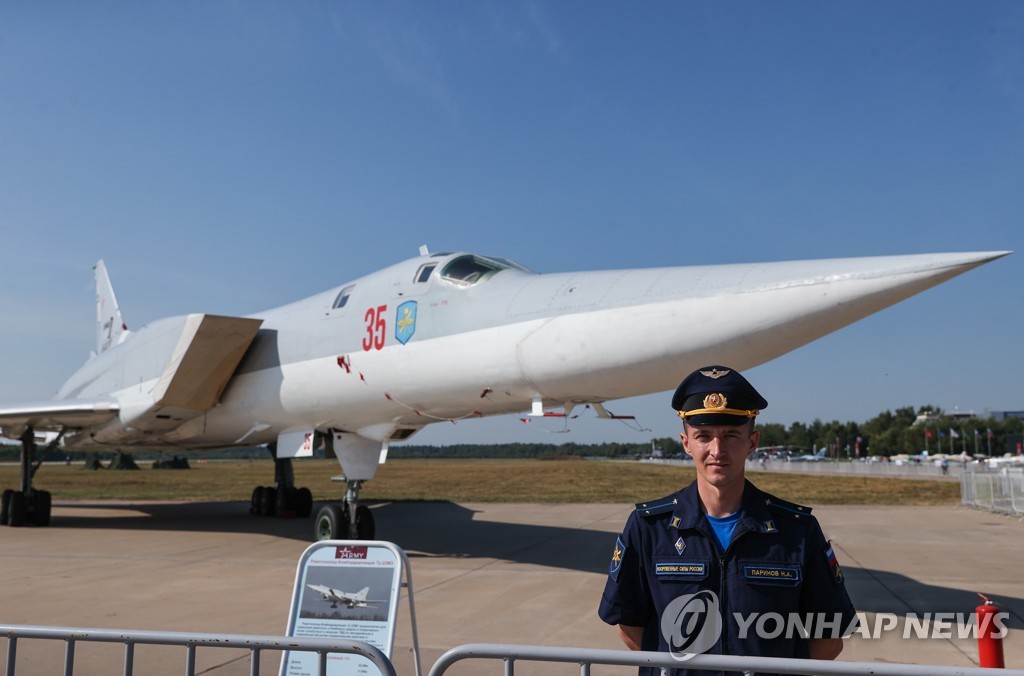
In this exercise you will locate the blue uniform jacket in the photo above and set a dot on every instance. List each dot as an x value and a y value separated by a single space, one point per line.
778 562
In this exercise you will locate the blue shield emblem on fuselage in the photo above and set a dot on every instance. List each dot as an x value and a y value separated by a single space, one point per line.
405 321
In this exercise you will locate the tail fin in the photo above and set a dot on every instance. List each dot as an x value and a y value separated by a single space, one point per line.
110 326
361 595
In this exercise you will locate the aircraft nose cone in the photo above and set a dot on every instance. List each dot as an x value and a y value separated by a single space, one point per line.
741 315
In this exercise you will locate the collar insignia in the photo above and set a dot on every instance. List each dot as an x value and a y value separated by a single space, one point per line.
769 526
675 522
715 374
680 546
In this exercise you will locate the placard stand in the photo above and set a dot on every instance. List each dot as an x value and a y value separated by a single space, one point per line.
348 589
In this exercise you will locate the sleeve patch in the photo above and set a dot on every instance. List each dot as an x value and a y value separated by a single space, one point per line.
616 563
833 565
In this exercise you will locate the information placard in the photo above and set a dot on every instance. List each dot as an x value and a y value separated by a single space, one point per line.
349 590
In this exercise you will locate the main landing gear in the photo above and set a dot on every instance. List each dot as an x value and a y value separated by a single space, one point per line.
345 521
28 507
283 498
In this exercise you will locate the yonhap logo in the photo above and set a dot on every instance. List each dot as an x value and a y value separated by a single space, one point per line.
691 624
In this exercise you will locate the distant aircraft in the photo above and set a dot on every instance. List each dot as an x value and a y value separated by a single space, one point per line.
811 457
1006 460
357 600
439 337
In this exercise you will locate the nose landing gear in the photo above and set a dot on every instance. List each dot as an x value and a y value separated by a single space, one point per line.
347 520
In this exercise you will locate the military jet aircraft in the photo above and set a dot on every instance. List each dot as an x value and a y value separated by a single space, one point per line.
438 337
335 596
817 456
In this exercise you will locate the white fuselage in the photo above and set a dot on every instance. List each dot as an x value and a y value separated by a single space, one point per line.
495 345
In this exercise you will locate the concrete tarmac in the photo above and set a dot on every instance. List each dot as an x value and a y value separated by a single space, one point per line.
492 573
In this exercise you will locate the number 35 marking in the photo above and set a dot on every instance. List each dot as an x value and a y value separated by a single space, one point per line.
376 328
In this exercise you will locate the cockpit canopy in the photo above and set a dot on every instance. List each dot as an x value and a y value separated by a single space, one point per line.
471 269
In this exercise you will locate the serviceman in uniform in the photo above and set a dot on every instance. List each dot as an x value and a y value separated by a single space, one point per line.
716 566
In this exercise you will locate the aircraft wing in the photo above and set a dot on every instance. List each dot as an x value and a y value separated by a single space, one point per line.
196 371
208 352
54 416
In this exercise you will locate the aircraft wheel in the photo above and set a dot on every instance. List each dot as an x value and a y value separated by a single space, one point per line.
331 523
5 504
16 509
268 501
286 501
366 529
304 502
41 508
257 501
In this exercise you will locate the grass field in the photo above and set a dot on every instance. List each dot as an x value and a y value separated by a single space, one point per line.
468 481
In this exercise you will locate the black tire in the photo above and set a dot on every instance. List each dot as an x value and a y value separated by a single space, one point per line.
303 502
268 501
42 504
365 526
17 511
5 504
331 523
256 501
286 500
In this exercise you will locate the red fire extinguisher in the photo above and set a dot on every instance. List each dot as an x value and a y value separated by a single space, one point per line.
990 640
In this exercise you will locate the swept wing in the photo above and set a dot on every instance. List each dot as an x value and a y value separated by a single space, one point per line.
56 416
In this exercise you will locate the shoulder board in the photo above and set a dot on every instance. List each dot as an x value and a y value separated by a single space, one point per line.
660 506
774 504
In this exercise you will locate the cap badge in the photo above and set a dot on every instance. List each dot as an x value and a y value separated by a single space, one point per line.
715 374
680 546
715 401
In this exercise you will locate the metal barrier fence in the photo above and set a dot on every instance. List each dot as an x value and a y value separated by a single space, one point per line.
72 636
895 469
508 654
999 491
586 657
902 469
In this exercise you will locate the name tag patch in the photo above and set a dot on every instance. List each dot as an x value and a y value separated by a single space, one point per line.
677 569
771 574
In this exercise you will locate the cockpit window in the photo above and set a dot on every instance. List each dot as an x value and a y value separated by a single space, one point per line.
342 298
469 270
511 264
423 274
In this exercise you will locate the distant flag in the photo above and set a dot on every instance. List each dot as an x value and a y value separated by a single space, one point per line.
953 434
942 435
991 435
977 432
928 433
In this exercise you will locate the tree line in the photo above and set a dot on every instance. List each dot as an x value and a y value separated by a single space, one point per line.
895 432
887 434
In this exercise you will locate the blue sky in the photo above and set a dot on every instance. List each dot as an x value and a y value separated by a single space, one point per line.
228 157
